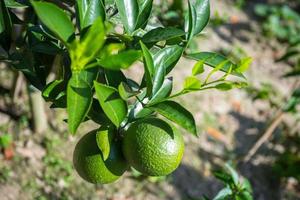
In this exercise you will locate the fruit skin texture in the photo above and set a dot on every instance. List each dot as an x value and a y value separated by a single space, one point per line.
88 161
153 147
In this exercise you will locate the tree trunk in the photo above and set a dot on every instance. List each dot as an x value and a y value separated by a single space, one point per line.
37 105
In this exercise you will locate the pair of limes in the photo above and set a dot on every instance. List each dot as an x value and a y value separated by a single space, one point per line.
151 146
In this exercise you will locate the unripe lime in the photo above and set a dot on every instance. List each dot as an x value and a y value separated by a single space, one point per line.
88 161
153 147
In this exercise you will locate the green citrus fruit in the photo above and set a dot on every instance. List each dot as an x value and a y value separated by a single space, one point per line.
88 161
153 147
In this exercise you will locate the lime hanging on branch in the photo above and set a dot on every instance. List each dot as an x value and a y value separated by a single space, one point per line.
91 86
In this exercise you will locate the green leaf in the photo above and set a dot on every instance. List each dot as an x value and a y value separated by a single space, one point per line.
138 111
14 4
223 194
112 49
176 113
79 101
168 57
93 40
122 60
53 89
84 51
128 11
112 104
214 59
114 77
190 21
202 9
5 27
96 114
292 102
144 13
164 91
192 83
158 79
104 138
234 175
55 19
230 85
224 86
89 75
245 195
244 64
89 11
247 185
224 177
160 34
198 68
126 92
148 67
60 101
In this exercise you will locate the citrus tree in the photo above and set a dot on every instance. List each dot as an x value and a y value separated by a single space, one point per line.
87 45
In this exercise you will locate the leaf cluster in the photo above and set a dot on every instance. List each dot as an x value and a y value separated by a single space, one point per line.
81 44
236 187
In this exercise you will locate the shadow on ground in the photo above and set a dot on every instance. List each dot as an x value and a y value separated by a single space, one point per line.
259 172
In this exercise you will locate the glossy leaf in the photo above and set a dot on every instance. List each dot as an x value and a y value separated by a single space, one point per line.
94 39
247 185
89 11
160 34
223 194
97 114
234 175
139 111
114 77
14 4
176 113
192 83
244 64
128 11
168 57
84 51
113 106
245 195
79 100
53 89
126 92
158 79
145 9
89 75
224 86
5 27
163 92
190 21
148 67
213 60
122 60
55 19
198 68
111 49
202 9
104 138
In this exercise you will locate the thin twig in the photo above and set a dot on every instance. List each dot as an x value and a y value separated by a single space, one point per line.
277 120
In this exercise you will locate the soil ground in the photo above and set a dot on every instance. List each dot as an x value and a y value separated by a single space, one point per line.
42 165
